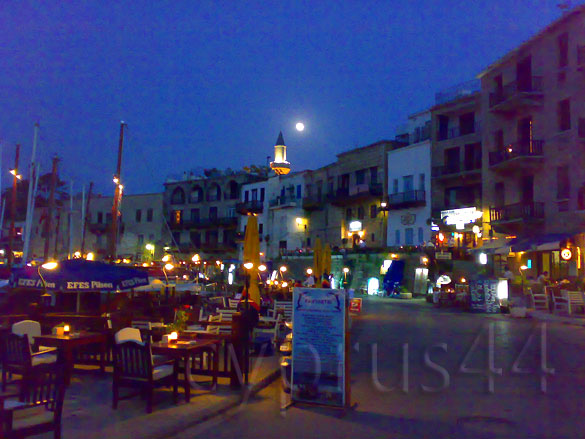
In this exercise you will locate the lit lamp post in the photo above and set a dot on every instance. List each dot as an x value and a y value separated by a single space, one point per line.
523 268
345 271
167 267
150 247
47 266
282 270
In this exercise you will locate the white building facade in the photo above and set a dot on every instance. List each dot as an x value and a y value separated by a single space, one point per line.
409 183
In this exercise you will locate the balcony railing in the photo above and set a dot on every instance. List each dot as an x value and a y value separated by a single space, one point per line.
282 201
454 132
406 199
253 206
527 148
517 212
455 168
514 89
313 202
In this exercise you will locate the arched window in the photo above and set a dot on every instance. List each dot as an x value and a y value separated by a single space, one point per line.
214 193
360 213
178 196
233 190
420 235
196 195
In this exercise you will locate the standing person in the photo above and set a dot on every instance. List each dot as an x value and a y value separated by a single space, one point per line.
325 283
309 281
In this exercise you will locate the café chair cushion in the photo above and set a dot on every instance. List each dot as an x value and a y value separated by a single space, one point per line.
163 371
43 359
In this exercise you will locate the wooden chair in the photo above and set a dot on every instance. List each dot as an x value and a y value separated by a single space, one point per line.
128 334
145 328
283 307
212 329
17 357
31 329
539 298
568 301
233 303
133 367
37 407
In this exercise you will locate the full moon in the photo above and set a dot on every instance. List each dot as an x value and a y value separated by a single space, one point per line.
300 126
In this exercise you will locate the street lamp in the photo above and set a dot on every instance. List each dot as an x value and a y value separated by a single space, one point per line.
167 267
90 256
522 269
166 258
309 271
262 267
51 265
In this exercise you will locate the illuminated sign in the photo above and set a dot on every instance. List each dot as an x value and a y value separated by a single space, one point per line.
566 254
355 226
460 217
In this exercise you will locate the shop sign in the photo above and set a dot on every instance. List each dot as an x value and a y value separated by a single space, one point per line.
460 217
566 254
318 367
408 219
355 305
444 256
355 226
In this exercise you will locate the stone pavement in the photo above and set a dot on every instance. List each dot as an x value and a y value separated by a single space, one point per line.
88 412
578 320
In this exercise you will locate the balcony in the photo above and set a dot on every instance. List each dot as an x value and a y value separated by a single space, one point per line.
455 132
356 193
517 213
313 202
524 154
404 200
205 223
452 170
516 95
283 202
246 207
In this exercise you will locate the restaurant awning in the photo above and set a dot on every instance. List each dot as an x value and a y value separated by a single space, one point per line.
547 242
495 246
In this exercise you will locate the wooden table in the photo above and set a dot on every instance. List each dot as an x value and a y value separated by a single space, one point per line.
185 349
66 344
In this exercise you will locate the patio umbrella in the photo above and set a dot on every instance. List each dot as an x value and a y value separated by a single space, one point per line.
317 262
252 254
326 258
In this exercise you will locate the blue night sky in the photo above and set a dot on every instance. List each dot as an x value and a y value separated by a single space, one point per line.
210 83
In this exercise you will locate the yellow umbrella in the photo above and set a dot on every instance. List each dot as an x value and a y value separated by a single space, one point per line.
317 262
252 254
326 258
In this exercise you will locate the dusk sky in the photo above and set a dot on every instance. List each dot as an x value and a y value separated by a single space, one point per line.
210 83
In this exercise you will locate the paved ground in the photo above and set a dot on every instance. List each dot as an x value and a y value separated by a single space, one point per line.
456 403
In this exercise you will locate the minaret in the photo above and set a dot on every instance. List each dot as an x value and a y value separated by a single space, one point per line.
280 166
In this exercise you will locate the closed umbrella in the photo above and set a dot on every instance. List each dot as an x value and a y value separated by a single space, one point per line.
326 259
317 262
252 254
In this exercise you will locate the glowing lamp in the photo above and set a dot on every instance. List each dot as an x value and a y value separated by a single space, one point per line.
285 284
283 269
345 270
166 258
309 271
248 265
90 256
523 267
169 267
262 267
50 265
66 329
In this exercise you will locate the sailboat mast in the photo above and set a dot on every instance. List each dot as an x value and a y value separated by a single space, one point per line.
13 207
29 201
117 196
50 208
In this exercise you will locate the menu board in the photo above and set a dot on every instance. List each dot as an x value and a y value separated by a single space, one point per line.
318 366
355 305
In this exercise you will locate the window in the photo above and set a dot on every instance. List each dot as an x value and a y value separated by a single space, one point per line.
563 42
196 195
373 175
421 235
194 216
177 216
360 176
195 238
138 215
100 217
409 236
563 182
233 189
373 237
260 228
178 196
246 196
467 123
308 242
499 194
254 194
151 237
140 240
360 213
282 245
213 213
397 237
421 182
408 183
330 185
348 214
564 115
373 211
149 214
395 186
262 193
299 191
177 237
108 218
230 212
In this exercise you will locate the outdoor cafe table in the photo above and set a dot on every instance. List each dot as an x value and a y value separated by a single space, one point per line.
185 349
66 344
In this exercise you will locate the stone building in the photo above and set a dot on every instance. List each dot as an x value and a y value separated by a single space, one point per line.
533 112
201 210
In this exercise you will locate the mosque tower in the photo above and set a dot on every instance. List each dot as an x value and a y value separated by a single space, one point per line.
280 166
